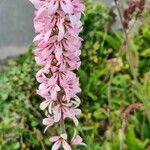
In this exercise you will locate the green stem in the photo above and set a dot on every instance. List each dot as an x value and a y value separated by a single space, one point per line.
109 94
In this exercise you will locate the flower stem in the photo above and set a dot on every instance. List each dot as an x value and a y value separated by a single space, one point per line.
110 94
62 124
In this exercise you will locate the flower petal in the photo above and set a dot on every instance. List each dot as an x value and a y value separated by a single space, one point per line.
66 6
52 7
54 138
47 35
77 140
57 113
61 32
75 120
50 107
44 104
56 145
64 136
46 128
66 146
48 121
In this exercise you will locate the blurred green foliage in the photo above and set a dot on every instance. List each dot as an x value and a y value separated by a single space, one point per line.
101 121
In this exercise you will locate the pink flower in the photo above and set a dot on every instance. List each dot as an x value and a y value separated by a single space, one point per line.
49 89
41 77
45 104
78 7
60 140
67 111
49 121
70 83
73 114
77 140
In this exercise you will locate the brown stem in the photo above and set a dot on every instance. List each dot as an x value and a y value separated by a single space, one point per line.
121 18
62 123
42 144
121 146
126 41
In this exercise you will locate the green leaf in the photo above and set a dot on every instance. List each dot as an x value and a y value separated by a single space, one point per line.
133 142
145 53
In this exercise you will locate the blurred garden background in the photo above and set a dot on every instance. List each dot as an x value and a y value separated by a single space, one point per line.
115 109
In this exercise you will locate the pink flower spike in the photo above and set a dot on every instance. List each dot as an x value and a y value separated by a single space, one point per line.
57 25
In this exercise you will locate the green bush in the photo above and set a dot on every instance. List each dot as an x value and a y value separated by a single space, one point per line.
101 121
